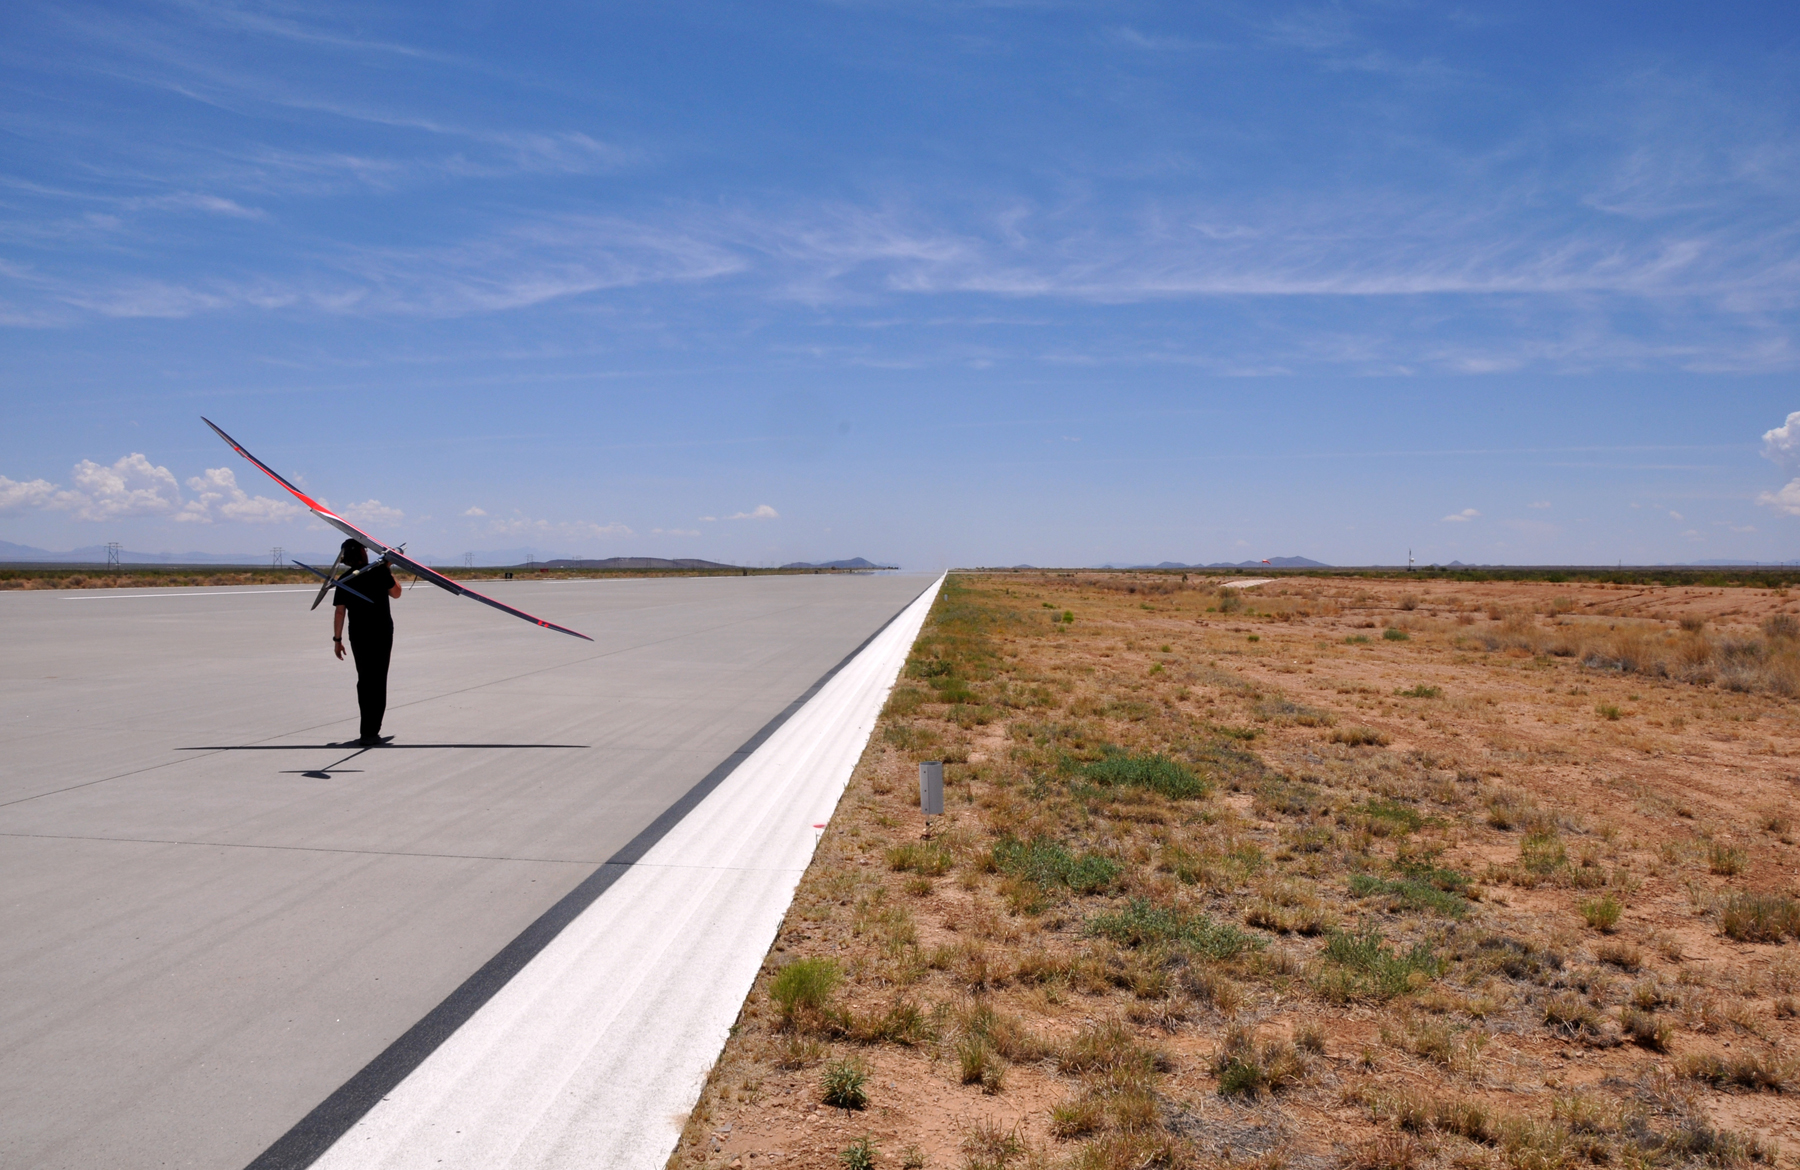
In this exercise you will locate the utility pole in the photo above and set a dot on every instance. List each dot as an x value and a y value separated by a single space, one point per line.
468 560
112 554
277 556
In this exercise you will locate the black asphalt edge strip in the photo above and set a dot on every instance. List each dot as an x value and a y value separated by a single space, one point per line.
333 1117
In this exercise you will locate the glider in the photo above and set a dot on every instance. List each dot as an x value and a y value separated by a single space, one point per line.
395 556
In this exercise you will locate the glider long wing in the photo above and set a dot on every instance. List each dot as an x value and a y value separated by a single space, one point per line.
392 555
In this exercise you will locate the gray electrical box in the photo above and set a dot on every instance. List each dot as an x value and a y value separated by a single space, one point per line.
931 788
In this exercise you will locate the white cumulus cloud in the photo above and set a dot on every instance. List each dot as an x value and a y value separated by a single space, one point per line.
373 512
16 495
217 496
1786 500
1462 517
131 487
475 512
760 512
1781 446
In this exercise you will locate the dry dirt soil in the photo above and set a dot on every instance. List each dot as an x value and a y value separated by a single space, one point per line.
1373 874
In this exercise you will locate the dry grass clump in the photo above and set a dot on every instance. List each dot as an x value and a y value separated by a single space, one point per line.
803 989
1386 1150
1725 859
843 1086
1755 1071
859 1154
136 578
1360 737
987 1040
1362 965
1618 953
1571 1014
988 1145
1248 1069
1760 917
1646 1028
923 858
1602 913
1583 1128
1118 1097
1770 664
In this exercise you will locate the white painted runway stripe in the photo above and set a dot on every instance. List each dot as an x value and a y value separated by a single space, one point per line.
594 1053
185 593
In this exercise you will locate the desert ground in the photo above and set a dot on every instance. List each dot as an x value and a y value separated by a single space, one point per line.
1324 872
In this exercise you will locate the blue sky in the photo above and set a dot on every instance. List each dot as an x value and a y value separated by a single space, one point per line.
939 283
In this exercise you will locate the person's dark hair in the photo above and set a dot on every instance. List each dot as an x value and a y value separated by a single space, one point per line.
354 554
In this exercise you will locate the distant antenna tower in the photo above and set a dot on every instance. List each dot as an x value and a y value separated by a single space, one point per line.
530 560
468 560
112 554
277 556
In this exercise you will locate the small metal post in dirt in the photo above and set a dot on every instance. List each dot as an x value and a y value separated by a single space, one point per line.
931 791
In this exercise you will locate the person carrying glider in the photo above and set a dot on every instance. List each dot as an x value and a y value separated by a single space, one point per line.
371 635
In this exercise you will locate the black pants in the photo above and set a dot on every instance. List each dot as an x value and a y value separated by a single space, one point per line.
372 647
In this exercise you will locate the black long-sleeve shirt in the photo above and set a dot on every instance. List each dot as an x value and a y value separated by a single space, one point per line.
374 612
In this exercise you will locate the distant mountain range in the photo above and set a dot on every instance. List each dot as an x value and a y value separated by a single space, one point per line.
693 563
852 563
1271 563
96 554
633 563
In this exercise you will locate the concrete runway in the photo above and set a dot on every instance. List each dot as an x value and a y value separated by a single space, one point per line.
212 919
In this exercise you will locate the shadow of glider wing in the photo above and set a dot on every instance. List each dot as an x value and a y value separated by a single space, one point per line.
392 555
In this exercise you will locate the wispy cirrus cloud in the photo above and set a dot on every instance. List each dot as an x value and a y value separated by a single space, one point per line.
1127 37
519 524
1668 242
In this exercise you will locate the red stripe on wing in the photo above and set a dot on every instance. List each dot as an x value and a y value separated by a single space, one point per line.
393 556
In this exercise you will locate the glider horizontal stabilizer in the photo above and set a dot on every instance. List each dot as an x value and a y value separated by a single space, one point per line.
392 555
329 583
336 561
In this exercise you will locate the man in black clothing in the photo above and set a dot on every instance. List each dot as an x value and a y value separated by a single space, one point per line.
371 635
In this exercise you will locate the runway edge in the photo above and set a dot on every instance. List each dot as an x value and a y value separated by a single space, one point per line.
597 1049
